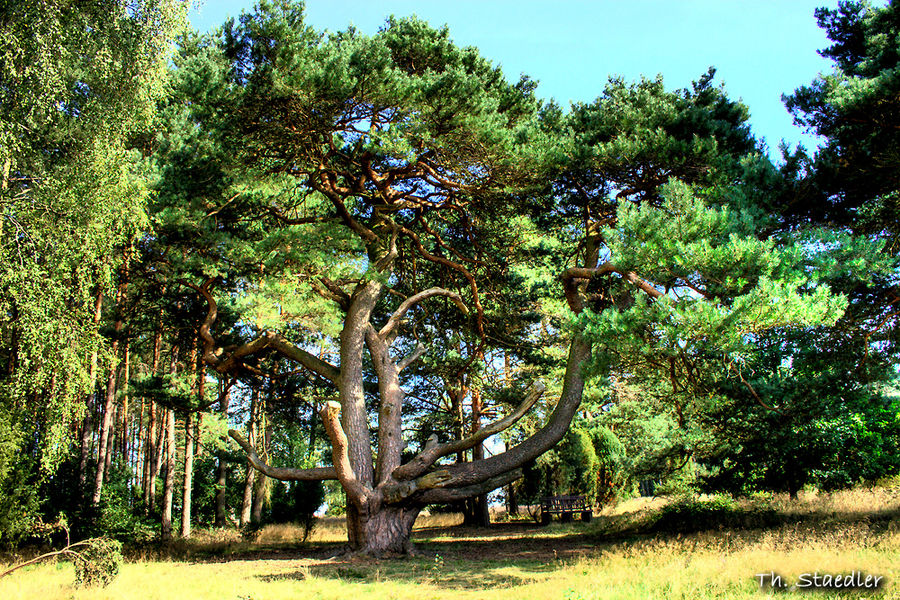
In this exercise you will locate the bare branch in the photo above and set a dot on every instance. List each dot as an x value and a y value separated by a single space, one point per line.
412 357
393 493
447 494
404 307
307 359
430 454
210 355
284 474
358 493
574 276
642 284
343 298
327 186
328 295
479 471
479 309
234 359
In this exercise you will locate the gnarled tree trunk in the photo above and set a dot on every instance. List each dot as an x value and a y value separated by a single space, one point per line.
384 495
386 531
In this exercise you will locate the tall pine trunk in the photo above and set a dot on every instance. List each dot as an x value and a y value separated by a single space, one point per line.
150 460
247 501
481 509
124 444
222 469
250 477
90 403
109 407
169 487
188 474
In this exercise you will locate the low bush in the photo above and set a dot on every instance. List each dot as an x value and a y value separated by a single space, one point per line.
692 514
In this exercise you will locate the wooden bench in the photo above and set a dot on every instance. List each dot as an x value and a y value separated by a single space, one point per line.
565 507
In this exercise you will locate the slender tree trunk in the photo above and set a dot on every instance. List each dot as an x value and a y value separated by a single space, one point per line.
90 403
169 487
512 500
250 477
222 469
482 511
456 406
247 501
137 445
124 425
151 458
110 403
188 474
159 459
189 443
262 483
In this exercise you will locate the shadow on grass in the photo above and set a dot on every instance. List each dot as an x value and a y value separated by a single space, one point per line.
507 554
446 572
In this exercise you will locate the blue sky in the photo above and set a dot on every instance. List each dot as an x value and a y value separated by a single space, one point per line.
761 49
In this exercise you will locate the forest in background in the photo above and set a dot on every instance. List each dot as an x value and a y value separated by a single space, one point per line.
250 230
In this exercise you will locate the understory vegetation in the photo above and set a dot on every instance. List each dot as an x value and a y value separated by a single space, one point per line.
622 554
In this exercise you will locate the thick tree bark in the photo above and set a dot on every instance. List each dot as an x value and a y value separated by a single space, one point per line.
383 500
352 397
478 472
387 531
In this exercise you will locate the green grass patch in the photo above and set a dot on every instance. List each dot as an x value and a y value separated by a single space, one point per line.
625 553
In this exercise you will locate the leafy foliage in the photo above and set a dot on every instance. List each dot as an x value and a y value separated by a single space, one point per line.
97 564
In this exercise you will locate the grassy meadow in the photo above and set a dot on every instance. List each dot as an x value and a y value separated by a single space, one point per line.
623 553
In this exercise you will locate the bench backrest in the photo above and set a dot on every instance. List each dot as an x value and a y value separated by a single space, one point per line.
564 503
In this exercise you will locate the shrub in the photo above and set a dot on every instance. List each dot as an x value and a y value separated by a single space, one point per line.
717 512
97 564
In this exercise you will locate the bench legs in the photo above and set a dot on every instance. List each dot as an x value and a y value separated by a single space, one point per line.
566 517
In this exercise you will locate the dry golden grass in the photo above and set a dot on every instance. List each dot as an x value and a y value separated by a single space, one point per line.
857 530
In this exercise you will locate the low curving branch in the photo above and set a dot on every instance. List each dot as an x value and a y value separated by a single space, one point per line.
479 471
284 474
213 356
397 492
358 493
448 494
433 452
